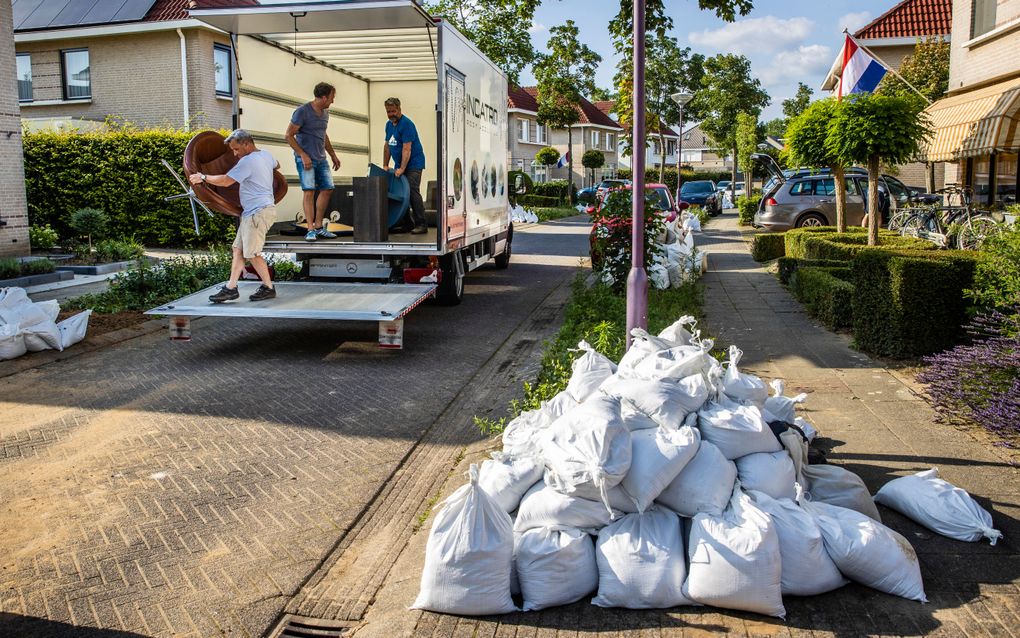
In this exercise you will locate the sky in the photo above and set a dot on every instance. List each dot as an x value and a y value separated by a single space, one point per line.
786 40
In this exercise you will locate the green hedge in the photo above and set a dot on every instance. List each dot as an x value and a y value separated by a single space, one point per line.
669 176
119 173
539 200
766 246
910 303
556 188
747 206
789 265
826 294
825 243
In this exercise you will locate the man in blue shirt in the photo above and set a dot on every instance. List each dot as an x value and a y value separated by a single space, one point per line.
254 173
403 145
306 135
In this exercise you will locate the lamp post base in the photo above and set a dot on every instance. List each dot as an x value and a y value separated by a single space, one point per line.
637 300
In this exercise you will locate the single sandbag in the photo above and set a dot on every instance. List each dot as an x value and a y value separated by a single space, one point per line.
736 429
677 333
42 336
807 568
705 484
555 566
641 562
522 436
746 388
837 486
938 505
768 472
18 310
867 551
468 556
507 478
542 506
667 403
783 408
73 329
657 457
588 372
12 342
734 559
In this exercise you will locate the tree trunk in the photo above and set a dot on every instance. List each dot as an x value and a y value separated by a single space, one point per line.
570 166
662 155
840 179
874 214
733 181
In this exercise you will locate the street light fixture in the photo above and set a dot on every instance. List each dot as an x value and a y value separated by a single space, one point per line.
681 98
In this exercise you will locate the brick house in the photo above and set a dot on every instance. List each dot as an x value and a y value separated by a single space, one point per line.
977 124
153 67
594 130
13 204
701 154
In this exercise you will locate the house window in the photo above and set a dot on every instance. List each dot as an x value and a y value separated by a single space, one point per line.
982 17
670 148
541 130
24 77
224 72
522 130
610 141
594 139
76 73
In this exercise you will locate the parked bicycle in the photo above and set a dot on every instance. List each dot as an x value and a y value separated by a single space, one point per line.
950 221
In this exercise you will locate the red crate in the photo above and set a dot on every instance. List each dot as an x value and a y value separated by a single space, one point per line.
414 275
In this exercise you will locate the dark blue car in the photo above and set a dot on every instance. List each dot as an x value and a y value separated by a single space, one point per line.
702 193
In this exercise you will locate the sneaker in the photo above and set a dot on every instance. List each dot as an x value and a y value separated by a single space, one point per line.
325 234
310 235
225 294
421 229
264 292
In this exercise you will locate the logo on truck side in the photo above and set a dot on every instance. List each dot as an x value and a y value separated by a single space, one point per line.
481 110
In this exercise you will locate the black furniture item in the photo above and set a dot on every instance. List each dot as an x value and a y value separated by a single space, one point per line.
342 201
432 203
371 209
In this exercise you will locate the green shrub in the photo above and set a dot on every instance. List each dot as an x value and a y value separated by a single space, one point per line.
37 267
547 156
910 303
555 188
747 206
117 250
611 246
539 200
826 294
286 270
89 222
10 268
117 172
997 278
700 213
824 242
789 265
42 237
766 246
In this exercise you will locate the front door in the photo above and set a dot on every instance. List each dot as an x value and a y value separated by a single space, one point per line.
456 202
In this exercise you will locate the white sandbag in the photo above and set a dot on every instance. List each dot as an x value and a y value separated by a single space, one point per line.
867 551
555 566
746 388
691 222
667 403
587 450
18 310
543 506
51 308
737 430
641 562
635 419
938 505
507 478
589 371
734 559
12 342
809 430
521 437
468 556
769 472
73 329
658 276
838 486
676 363
783 408
807 568
657 457
42 336
704 485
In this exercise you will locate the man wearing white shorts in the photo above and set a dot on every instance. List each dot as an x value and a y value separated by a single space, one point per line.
254 173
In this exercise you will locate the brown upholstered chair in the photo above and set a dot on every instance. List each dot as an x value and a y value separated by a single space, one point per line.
206 153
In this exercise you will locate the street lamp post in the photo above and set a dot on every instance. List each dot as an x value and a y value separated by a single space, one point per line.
637 279
681 98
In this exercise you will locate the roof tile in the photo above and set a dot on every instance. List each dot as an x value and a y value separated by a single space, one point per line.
526 98
911 18
178 9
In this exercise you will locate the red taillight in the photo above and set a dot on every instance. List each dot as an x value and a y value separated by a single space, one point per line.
771 202
590 210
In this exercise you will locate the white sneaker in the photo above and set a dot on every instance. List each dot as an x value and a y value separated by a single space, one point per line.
310 235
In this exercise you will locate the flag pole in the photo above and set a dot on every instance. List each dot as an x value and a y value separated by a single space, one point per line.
888 67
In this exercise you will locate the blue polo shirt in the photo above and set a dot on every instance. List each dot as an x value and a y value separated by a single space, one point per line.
399 134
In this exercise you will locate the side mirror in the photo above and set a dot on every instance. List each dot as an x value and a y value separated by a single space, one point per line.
519 186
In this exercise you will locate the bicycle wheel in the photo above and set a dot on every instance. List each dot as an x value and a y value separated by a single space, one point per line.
897 220
915 223
973 233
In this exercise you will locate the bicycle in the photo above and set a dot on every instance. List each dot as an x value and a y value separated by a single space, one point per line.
953 225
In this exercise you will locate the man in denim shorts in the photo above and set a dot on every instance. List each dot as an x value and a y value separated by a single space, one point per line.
254 173
306 134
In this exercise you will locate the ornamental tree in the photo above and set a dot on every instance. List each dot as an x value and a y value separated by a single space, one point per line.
807 138
547 156
593 159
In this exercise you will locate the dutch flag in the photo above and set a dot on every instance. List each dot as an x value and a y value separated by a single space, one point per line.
564 160
860 73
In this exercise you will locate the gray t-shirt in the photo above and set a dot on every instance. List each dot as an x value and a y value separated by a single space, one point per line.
254 172
311 135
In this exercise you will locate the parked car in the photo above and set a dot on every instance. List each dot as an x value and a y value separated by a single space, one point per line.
608 185
587 195
722 186
809 199
702 193
663 199
738 190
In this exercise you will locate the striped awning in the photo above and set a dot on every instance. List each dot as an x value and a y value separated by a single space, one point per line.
975 123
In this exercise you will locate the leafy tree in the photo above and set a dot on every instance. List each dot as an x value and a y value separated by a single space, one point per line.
593 159
495 28
875 128
669 70
727 89
564 75
747 143
927 70
547 156
776 127
807 140
600 94
794 106
90 222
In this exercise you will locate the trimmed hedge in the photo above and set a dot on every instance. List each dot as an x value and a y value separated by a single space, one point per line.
669 177
789 265
539 200
747 206
119 173
766 246
910 303
824 242
826 294
556 188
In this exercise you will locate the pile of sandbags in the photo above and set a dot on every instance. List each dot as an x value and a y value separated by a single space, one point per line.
677 260
521 215
28 326
670 479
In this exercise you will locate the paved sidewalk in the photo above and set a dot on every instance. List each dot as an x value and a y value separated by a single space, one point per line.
870 421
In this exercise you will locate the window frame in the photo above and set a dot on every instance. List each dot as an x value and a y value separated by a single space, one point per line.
230 70
610 142
523 126
31 86
64 86
595 138
540 134
988 12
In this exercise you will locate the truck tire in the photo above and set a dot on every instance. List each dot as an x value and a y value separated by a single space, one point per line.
502 260
451 288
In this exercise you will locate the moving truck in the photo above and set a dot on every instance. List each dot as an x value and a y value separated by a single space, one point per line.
371 50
